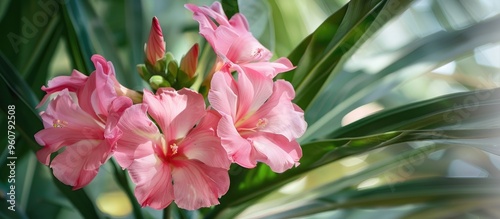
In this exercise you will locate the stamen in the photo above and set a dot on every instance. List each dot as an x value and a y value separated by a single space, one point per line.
59 123
174 148
262 123
257 52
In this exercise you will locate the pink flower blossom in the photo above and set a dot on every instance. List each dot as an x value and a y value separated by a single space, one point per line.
81 119
177 155
234 43
155 47
259 122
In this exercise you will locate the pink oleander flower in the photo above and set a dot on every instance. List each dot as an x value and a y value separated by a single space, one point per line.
234 43
81 119
259 122
155 47
171 150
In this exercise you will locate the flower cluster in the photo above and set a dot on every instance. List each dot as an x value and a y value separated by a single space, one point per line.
174 147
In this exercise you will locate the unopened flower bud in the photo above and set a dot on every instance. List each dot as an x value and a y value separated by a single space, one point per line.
155 47
190 61
157 81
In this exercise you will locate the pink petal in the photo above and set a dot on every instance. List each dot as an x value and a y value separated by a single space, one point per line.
66 110
139 135
112 132
253 91
197 185
239 23
74 82
53 139
47 119
276 151
79 163
85 96
98 93
283 117
269 69
238 149
66 123
221 41
119 105
221 96
216 7
153 182
102 65
203 144
214 12
176 112
246 48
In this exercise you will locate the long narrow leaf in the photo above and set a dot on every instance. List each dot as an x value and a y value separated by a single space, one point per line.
432 190
230 7
79 45
450 110
79 199
22 99
290 205
340 32
353 89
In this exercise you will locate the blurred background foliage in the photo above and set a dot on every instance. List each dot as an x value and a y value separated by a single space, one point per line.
401 98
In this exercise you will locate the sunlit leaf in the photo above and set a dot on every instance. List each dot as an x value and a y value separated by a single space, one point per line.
353 89
434 191
318 55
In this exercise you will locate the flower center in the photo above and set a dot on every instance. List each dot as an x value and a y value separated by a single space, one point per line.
261 123
166 151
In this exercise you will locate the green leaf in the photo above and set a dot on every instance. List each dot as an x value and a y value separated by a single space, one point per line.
91 36
136 30
434 191
37 192
230 7
340 33
22 99
38 76
349 90
289 29
297 203
42 45
453 110
79 199
28 36
481 207
258 14
79 45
